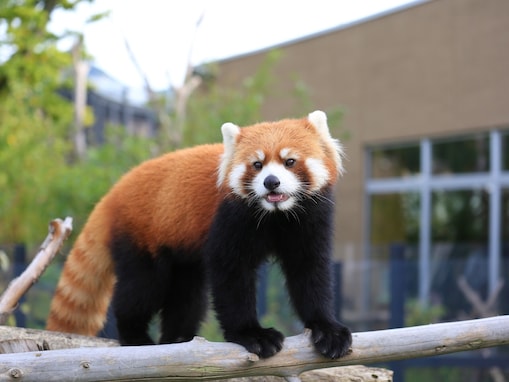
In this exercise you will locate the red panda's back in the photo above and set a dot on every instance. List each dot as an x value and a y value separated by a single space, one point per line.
168 201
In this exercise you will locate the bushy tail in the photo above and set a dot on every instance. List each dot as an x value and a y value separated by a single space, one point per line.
85 287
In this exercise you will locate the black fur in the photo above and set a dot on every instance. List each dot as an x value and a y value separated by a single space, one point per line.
173 282
301 241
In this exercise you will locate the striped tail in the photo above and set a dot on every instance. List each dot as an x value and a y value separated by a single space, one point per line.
85 287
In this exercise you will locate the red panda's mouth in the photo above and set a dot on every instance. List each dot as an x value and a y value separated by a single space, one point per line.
275 197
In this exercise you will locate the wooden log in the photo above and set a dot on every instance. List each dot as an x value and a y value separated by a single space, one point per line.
203 360
17 340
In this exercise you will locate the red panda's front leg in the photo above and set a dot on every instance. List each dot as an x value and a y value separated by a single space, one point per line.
309 283
306 262
233 253
234 295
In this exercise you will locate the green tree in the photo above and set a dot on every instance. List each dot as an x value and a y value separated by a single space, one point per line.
40 178
33 116
209 108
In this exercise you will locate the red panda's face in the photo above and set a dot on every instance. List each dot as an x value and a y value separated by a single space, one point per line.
275 165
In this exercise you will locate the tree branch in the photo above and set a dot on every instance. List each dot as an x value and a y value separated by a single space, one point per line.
203 360
58 231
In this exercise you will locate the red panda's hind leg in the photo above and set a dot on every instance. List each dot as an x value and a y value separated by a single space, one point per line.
169 282
137 296
185 302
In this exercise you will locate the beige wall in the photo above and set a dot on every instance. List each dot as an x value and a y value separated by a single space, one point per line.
437 68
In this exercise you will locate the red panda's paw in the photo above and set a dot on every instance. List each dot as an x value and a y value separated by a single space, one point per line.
331 339
260 341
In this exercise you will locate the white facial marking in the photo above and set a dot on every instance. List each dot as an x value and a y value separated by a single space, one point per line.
290 184
235 179
258 156
287 153
319 173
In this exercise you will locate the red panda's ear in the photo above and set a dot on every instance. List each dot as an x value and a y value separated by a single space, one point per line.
230 133
319 120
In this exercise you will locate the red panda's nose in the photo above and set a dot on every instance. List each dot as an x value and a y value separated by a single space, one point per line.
271 182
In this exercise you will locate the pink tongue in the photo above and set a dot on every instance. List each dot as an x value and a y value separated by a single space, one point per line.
274 198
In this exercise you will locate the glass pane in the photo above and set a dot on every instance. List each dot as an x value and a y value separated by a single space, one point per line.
505 151
393 162
394 218
460 216
459 251
462 155
394 231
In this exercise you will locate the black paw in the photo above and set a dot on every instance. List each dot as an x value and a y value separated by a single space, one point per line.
331 339
262 342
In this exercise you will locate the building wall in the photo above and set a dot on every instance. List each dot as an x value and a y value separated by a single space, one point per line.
437 68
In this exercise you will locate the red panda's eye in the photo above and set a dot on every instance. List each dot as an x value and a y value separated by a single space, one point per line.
258 165
290 162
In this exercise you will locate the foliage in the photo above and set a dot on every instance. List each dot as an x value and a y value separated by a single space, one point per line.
34 139
41 179
449 374
417 314
280 313
210 329
209 109
34 119
82 184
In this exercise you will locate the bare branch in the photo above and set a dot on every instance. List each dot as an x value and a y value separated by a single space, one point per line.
58 231
484 309
81 69
143 75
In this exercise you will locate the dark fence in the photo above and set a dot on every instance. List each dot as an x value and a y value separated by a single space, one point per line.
479 365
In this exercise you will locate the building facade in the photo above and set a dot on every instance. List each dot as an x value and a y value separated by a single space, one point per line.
425 95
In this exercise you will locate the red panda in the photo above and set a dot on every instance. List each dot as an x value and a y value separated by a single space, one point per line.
205 218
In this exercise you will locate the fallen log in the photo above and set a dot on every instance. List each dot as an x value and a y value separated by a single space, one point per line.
203 360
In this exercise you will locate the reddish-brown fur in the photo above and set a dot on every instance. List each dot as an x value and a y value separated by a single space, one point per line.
168 201
149 202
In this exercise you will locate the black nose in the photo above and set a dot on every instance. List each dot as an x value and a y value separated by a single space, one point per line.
271 182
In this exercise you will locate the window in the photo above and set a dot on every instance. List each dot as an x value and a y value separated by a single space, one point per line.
394 218
452 227
460 216
392 162
463 155
459 248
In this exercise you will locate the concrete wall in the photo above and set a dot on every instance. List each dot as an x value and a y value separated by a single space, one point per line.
437 68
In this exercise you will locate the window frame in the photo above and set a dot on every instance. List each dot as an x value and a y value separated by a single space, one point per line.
494 181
